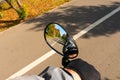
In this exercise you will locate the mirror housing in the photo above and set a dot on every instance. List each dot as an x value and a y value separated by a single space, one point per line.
60 41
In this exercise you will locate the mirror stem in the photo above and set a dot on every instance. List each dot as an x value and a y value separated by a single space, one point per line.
65 61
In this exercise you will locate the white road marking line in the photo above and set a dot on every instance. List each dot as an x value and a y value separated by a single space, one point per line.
50 53
32 65
95 23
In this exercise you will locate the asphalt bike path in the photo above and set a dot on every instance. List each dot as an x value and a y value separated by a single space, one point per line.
24 43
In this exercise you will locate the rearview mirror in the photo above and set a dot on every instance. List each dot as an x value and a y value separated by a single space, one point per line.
60 41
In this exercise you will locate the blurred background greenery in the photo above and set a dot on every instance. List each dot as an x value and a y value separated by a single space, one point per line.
31 8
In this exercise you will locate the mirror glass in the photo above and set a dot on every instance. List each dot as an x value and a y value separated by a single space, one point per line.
56 37
59 40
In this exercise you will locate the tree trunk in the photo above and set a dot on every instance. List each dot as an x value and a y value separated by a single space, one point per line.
20 11
9 2
19 4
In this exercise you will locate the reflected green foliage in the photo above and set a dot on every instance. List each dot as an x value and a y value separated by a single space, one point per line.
64 37
52 31
56 33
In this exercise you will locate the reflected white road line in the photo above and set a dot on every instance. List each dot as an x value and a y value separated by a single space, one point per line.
53 43
50 53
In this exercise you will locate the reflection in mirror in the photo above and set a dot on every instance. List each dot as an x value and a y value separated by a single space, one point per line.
59 40
56 36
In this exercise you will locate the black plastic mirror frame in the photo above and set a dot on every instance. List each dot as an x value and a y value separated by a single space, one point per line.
62 54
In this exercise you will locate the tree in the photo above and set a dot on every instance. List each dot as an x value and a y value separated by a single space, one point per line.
19 8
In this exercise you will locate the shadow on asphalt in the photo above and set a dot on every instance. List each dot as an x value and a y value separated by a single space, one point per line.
118 78
77 18
106 78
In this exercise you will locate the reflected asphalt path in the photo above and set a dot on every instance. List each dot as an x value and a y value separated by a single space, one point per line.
24 43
